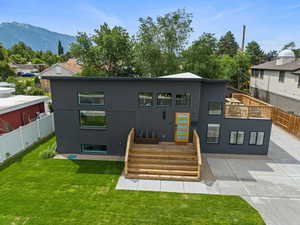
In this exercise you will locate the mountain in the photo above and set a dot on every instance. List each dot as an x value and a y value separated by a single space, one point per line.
36 37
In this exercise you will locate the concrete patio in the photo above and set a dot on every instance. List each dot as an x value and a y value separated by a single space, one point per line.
271 184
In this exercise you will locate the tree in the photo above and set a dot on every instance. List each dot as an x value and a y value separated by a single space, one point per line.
5 70
108 50
18 59
254 51
23 50
271 55
228 45
60 48
200 58
161 41
290 45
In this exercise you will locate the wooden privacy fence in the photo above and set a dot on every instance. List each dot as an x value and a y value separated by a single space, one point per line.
287 121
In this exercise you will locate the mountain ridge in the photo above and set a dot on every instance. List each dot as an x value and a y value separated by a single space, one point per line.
38 38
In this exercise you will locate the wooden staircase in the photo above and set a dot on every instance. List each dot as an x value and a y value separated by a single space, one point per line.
163 161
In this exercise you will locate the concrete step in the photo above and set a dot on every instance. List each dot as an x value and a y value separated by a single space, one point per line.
162 161
162 172
161 177
162 166
162 156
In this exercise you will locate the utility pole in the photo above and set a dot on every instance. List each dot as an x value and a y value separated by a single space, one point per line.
243 38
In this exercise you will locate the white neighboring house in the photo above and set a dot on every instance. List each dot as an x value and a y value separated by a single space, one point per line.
278 82
68 68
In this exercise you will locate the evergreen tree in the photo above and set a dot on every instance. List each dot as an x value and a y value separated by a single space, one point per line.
60 48
255 53
227 45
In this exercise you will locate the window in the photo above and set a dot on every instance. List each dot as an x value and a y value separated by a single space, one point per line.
92 119
262 72
299 81
255 72
214 108
91 98
237 137
213 133
281 76
256 138
164 99
183 99
90 148
145 99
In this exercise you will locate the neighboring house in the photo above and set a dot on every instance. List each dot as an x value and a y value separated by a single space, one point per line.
68 68
278 82
28 68
19 110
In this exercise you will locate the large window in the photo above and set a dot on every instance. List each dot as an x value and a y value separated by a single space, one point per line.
183 99
90 148
256 138
237 137
91 98
214 108
281 76
261 74
164 99
92 119
213 133
145 99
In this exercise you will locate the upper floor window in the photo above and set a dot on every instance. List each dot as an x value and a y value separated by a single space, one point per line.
164 99
237 137
213 133
256 138
183 99
281 76
92 119
255 72
145 99
214 108
91 97
261 74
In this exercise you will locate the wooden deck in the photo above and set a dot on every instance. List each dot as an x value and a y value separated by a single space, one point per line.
163 161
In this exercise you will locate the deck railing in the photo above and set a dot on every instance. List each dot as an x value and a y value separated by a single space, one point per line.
249 100
242 111
130 141
196 142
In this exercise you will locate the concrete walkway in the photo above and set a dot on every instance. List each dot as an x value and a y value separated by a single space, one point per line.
270 184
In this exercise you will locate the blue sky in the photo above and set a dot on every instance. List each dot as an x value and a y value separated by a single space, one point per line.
272 23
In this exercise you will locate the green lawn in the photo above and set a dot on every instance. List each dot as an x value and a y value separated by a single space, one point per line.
44 192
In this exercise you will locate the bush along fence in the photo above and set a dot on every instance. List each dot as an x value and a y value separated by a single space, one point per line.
287 121
18 140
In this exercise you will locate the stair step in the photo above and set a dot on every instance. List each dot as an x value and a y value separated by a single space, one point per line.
162 166
162 161
165 147
161 177
162 172
161 152
162 156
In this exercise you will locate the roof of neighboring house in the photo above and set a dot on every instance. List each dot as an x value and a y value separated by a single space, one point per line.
292 66
16 102
26 66
182 75
71 65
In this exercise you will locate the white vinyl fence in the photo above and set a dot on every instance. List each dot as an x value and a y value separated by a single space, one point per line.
21 138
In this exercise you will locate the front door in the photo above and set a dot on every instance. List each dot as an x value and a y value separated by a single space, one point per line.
182 127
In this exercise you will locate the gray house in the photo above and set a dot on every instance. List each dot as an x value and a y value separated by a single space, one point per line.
94 115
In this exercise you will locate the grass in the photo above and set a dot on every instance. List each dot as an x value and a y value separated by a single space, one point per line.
56 192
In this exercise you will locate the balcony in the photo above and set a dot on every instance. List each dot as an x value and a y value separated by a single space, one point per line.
247 107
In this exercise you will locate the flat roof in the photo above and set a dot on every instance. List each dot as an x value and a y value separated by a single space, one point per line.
204 80
16 102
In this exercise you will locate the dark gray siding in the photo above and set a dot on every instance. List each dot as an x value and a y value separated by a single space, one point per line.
123 113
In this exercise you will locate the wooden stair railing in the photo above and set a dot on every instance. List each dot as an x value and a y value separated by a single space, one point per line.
196 142
130 141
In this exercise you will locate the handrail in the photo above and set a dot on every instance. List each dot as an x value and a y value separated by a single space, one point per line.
249 100
196 142
130 140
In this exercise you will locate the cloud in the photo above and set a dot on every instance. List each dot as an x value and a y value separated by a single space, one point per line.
98 14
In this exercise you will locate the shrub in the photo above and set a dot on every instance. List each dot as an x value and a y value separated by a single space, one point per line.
48 152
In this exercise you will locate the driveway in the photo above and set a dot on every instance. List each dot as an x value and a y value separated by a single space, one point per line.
271 184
